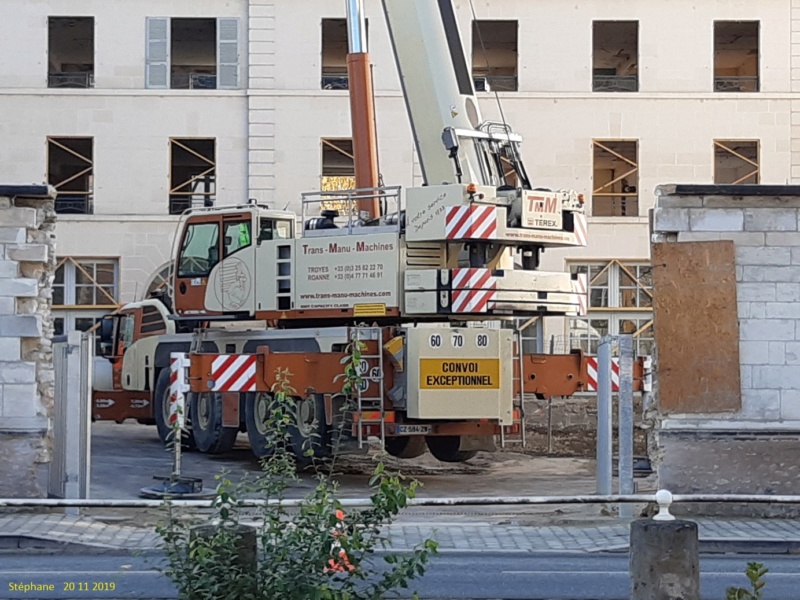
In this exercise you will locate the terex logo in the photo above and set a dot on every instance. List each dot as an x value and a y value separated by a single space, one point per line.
543 205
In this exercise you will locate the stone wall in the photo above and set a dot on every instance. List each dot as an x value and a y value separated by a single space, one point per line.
752 449
27 264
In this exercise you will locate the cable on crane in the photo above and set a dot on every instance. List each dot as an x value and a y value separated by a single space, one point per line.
496 95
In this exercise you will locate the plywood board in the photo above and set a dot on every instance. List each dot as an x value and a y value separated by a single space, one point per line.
696 327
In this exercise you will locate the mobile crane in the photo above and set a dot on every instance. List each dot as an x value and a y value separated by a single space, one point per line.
415 275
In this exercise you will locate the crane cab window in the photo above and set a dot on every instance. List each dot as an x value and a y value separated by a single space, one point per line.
237 236
274 229
200 250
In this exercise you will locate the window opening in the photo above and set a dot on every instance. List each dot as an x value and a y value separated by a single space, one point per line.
70 52
736 162
615 56
70 170
495 63
193 54
736 57
338 172
193 171
616 179
334 54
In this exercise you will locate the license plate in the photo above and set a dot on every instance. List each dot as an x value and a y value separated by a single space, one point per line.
412 429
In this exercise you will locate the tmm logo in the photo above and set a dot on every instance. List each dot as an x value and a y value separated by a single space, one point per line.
541 204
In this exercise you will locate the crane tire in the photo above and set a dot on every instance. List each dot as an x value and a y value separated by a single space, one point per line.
410 446
209 434
308 429
445 448
256 411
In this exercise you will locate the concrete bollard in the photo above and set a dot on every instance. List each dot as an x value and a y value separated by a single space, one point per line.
664 560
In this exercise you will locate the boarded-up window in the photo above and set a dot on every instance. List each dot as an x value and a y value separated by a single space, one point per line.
615 178
495 56
736 161
697 326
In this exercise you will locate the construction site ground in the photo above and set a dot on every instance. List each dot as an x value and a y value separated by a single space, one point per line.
125 458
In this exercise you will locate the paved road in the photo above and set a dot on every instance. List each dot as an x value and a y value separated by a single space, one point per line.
475 576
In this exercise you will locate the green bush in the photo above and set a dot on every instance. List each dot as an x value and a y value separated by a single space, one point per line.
315 551
755 572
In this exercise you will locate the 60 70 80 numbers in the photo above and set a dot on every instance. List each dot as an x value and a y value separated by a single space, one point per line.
457 340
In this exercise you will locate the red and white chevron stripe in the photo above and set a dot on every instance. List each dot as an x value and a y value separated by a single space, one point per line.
581 285
470 222
474 290
591 362
234 373
581 228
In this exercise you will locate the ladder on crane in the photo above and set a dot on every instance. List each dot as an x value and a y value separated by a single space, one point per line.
370 405
507 435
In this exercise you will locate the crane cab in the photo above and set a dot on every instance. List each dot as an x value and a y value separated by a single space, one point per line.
233 261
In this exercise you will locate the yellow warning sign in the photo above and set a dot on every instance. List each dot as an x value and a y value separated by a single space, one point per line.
459 374
369 310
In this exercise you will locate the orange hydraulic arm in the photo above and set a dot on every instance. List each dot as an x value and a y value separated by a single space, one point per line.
362 109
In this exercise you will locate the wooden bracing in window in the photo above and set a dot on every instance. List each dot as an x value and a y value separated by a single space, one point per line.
618 197
112 302
186 187
741 163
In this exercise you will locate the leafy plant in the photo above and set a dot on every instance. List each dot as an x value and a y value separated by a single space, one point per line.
317 550
755 572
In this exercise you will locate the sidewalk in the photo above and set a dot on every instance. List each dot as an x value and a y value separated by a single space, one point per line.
51 532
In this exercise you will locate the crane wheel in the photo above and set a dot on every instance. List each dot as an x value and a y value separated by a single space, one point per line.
209 434
308 429
410 446
161 413
257 410
446 448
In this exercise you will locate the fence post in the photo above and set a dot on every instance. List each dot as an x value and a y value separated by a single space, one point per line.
604 423
72 438
625 425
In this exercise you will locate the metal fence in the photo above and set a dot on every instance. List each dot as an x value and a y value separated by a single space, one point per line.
70 470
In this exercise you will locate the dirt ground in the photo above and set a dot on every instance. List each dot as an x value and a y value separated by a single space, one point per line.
125 457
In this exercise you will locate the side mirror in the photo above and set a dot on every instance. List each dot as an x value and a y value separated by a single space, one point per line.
107 336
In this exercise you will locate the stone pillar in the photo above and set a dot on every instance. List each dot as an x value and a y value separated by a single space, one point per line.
665 560
27 264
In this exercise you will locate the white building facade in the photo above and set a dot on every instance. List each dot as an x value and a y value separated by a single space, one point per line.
134 110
